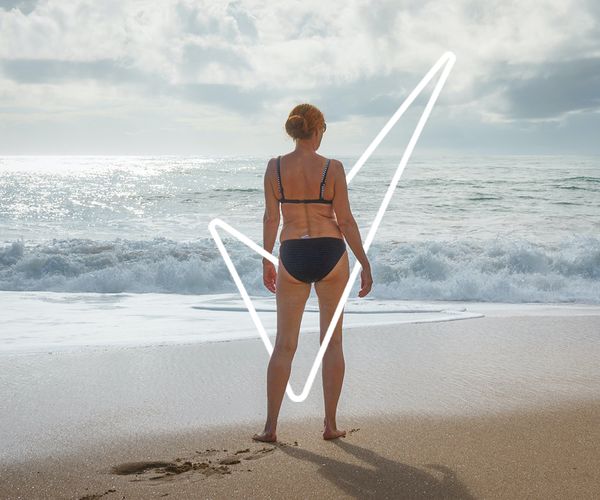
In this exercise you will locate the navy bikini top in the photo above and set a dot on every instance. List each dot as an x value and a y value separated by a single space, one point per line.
322 190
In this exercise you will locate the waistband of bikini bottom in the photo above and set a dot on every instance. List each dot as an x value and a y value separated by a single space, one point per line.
318 238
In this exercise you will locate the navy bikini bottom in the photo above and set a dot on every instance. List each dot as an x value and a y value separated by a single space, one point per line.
311 259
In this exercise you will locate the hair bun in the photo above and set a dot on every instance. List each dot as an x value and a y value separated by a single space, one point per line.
303 120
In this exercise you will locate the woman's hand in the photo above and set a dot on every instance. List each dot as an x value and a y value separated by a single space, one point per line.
366 281
269 275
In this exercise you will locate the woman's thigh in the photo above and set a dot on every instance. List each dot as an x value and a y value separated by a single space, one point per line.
291 296
329 291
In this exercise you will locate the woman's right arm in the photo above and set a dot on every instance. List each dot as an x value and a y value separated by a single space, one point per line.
349 227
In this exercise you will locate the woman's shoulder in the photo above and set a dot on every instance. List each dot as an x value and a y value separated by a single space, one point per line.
336 167
272 163
334 162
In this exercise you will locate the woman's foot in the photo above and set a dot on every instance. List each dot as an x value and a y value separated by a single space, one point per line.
267 437
331 432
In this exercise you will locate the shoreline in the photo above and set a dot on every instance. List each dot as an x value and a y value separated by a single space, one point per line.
101 322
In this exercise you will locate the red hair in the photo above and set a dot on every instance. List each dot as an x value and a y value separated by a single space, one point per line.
303 120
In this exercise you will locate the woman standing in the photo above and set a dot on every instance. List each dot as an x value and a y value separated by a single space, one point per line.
316 213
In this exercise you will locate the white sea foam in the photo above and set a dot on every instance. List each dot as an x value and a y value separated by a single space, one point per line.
496 270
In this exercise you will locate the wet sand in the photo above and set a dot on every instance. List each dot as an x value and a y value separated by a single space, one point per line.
495 407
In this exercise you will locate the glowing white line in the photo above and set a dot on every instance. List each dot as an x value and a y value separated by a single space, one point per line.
448 59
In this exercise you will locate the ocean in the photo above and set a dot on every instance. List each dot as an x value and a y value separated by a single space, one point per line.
110 241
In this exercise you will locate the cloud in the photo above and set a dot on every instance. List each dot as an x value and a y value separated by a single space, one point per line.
245 102
554 89
378 95
51 70
25 6
517 62
243 19
196 58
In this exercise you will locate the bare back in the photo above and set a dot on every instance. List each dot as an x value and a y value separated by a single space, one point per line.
301 177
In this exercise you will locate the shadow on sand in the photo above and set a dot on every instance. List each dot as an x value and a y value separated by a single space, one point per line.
386 478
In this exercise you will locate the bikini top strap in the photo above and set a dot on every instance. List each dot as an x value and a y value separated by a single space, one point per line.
279 177
322 192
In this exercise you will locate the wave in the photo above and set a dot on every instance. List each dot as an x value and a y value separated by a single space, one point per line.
239 190
484 198
496 270
584 178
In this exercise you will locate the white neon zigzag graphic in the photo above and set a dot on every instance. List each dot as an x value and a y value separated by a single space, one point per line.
448 58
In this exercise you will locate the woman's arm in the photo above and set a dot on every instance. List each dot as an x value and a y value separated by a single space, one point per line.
270 225
345 219
349 227
272 216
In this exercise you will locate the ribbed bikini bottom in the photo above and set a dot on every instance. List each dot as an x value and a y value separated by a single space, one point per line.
311 259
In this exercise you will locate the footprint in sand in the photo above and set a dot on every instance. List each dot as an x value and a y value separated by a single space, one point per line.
259 453
96 496
167 469
179 466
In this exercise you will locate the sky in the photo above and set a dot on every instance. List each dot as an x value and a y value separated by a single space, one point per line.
220 78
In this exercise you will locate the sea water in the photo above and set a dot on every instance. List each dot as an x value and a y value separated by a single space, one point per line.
98 250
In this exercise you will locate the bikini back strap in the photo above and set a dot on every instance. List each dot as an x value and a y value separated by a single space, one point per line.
322 192
279 177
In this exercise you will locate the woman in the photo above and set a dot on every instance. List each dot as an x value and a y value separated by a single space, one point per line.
312 250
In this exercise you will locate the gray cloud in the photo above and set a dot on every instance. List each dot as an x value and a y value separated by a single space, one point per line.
379 95
244 22
194 22
379 18
53 70
244 101
554 89
227 96
25 6
366 96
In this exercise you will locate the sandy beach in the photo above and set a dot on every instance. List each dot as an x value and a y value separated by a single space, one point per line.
548 453
502 406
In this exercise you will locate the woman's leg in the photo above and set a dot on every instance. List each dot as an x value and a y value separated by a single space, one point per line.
291 297
329 291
